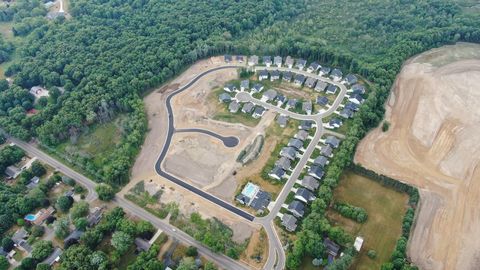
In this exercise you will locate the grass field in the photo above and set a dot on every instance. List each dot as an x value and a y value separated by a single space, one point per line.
385 208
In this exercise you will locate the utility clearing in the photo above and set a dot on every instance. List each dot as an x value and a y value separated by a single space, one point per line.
432 143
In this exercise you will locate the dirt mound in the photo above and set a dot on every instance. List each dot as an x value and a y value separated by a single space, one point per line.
433 144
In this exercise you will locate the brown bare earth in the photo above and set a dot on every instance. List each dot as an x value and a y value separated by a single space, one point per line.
433 144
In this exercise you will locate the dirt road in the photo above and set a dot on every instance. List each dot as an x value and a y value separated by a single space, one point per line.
433 144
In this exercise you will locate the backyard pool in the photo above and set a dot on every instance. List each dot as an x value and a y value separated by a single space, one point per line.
30 217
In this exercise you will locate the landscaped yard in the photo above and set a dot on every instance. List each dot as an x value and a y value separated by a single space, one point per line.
386 208
223 114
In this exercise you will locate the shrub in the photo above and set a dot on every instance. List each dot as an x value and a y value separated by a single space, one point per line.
372 254
385 126
105 192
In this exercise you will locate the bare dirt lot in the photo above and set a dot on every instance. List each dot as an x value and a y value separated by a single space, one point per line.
433 144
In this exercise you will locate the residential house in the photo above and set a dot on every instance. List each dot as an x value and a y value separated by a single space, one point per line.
263 75
332 141
335 123
296 208
12 172
282 120
227 58
289 222
234 106
54 257
310 183
252 196
289 152
19 238
314 67
260 201
326 150
94 217
310 82
291 103
320 161
320 86
248 107
257 88
230 88
39 91
358 89
296 143
351 79
299 79
284 163
72 238
42 215
33 182
269 95
281 99
301 135
244 85
332 247
224 98
307 107
289 62
336 75
316 171
287 76
356 98
324 71
258 112
306 125
322 101
253 60
301 63
352 106
267 61
304 195
277 173
274 75
346 113
332 89
239 58
277 60
142 244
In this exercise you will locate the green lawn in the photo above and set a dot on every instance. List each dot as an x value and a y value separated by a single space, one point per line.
223 114
385 208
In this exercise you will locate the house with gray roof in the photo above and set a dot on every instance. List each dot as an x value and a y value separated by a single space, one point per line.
269 95
257 88
322 101
346 113
289 222
248 107
142 244
304 195
297 208
284 163
12 172
310 82
299 79
301 135
230 88
277 60
228 58
281 99
332 89
320 86
263 75
306 125
316 171
258 112
358 89
260 201
267 60
287 76
336 75
277 173
332 247
307 107
274 75
289 62
19 236
244 85
33 182
72 238
301 63
326 151
224 98
289 152
94 217
239 58
310 183
356 98
314 67
352 106
291 103
335 123
351 79
332 141
320 161
324 71
296 143
234 106
282 120
54 257
253 60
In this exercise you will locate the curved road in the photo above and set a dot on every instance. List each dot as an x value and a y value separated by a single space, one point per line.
229 141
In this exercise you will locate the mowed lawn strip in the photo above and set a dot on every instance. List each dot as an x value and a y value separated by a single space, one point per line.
385 207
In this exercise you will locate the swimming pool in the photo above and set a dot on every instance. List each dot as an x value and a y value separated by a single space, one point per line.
250 190
30 217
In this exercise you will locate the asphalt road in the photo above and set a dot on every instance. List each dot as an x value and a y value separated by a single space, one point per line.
229 141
